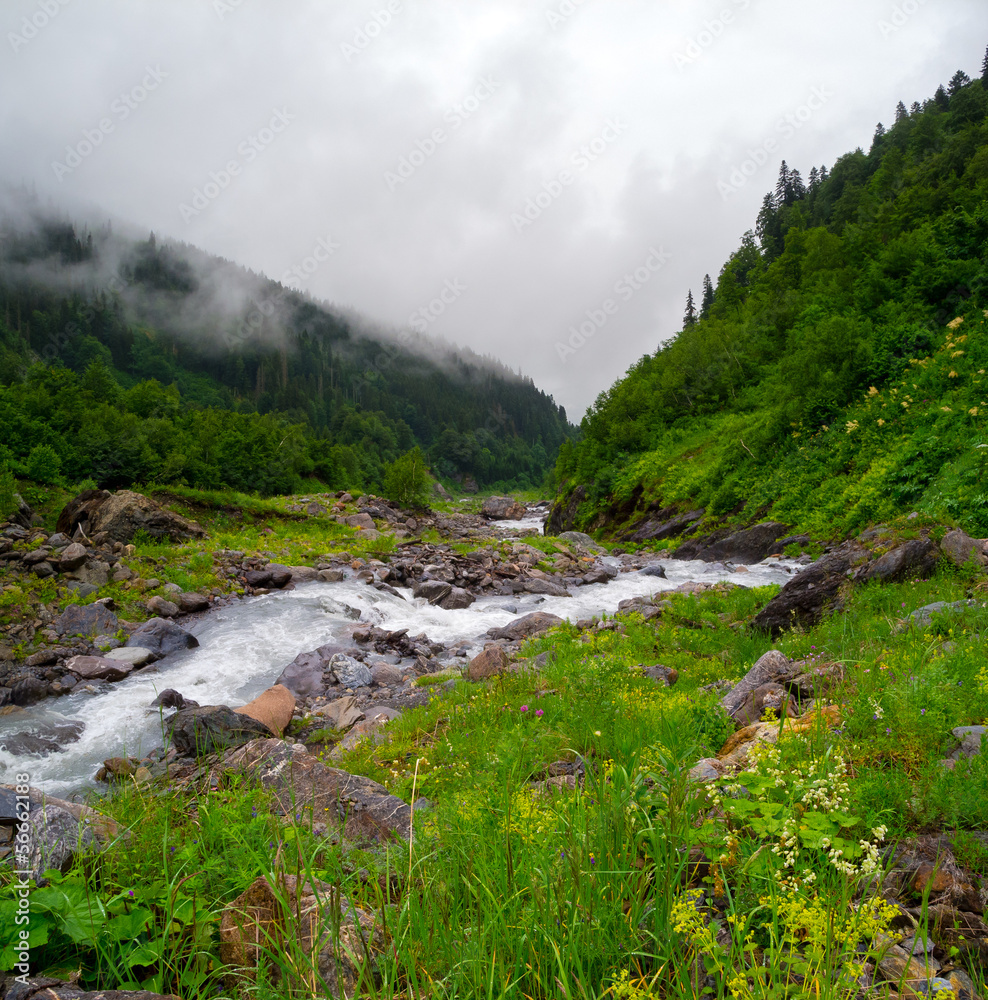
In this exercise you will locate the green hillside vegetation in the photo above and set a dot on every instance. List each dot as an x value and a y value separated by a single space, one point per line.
120 362
836 374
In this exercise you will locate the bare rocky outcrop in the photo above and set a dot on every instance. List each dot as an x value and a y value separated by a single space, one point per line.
122 514
503 509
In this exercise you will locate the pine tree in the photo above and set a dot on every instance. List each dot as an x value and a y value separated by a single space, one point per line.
814 179
915 108
984 70
957 81
796 186
782 186
708 297
689 319
941 99
879 131
900 113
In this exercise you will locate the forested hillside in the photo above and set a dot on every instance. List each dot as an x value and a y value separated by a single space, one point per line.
129 361
835 374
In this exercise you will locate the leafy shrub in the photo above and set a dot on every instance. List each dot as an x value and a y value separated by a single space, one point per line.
44 465
406 480
8 492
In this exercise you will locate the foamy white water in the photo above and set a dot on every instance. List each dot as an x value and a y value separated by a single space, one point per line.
244 646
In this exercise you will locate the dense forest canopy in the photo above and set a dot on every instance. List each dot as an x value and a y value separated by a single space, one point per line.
127 361
834 373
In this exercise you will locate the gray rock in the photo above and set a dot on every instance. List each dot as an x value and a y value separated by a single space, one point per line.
205 730
654 569
59 540
970 739
772 667
922 617
98 668
170 698
88 619
304 675
162 638
583 541
157 605
188 602
456 598
302 783
958 547
349 672
917 557
546 587
751 545
433 591
523 628
503 509
45 739
136 656
72 557
812 593
331 575
82 589
28 690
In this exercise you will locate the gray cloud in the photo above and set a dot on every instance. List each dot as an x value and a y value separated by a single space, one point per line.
292 122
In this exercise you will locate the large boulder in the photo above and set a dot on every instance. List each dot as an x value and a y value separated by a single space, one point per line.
122 514
503 509
302 783
350 673
196 732
961 549
771 668
917 557
55 828
162 638
489 663
751 545
273 707
809 595
99 668
581 540
86 619
523 628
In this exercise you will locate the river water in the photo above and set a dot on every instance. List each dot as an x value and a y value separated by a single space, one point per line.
244 646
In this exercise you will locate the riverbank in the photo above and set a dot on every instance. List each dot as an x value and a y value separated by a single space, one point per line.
575 822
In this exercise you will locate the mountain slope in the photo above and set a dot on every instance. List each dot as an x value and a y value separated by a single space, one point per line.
838 376
134 360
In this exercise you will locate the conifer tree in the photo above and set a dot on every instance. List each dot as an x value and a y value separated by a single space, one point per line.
796 186
900 113
708 297
941 99
984 70
957 81
915 108
689 318
782 186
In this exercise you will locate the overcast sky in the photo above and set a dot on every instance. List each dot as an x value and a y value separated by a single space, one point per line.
502 165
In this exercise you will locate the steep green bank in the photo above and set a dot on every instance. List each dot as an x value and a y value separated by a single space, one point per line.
834 376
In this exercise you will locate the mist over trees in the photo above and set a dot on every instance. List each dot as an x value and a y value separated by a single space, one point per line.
138 360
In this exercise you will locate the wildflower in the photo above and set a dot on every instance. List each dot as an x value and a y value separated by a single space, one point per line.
596 732
951 374
872 391
130 892
539 713
973 411
524 708
955 323
922 711
946 409
851 426
881 423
